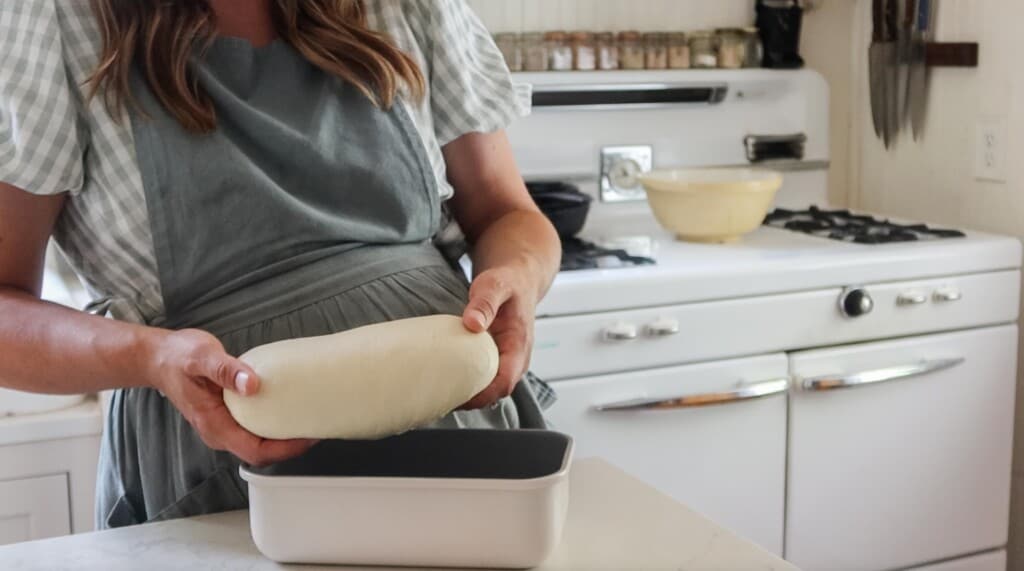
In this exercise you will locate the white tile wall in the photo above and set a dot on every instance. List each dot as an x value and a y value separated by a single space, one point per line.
524 15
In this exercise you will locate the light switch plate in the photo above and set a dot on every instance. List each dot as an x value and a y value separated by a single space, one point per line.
990 151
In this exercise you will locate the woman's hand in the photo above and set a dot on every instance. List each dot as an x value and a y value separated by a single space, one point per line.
191 368
502 301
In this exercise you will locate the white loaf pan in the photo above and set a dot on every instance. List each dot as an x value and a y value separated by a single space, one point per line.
431 498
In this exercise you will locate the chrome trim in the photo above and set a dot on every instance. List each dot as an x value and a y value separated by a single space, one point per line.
889 374
742 394
912 298
621 333
948 295
663 328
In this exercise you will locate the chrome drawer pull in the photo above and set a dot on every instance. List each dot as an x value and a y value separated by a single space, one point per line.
833 382
948 294
664 327
742 394
621 332
912 298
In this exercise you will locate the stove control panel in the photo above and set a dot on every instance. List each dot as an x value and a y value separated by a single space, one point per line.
621 168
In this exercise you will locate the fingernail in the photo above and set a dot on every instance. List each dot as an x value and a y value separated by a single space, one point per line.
242 382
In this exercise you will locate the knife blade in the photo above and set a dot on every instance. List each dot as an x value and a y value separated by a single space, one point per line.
917 90
905 37
891 67
876 67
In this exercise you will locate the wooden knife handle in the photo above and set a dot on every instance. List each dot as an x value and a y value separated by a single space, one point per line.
878 19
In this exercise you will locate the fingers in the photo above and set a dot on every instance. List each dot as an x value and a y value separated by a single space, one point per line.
225 371
487 295
513 357
226 434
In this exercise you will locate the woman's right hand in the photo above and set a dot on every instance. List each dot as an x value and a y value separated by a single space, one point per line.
191 368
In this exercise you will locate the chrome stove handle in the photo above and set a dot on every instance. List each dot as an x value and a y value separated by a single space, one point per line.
889 374
742 394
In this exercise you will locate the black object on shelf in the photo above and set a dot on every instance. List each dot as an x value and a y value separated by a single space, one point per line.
564 205
780 23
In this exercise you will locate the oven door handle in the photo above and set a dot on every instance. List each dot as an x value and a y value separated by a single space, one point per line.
742 394
877 376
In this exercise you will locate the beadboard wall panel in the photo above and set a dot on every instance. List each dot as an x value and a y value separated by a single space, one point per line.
643 15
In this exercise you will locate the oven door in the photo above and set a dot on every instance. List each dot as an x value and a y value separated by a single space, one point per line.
712 435
900 452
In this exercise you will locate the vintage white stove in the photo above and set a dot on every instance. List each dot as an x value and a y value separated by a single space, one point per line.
837 389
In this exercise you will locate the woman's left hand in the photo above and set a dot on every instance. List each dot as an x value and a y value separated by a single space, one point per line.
502 301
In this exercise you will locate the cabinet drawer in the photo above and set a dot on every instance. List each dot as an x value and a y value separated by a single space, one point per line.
34 508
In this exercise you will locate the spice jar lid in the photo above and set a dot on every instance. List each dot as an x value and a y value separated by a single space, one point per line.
678 36
555 36
730 31
702 35
582 36
533 36
655 36
630 36
604 36
506 36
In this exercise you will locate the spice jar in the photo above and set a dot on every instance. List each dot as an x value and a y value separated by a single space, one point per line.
559 51
678 51
632 54
656 50
510 47
703 51
755 49
732 48
607 51
535 52
584 51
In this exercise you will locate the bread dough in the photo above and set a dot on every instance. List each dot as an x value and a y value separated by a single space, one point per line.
365 383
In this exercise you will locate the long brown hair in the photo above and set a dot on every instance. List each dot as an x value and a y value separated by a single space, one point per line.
160 38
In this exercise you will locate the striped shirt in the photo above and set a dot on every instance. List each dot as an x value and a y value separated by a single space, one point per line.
51 142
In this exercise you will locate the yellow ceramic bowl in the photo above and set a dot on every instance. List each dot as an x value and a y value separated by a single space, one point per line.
711 205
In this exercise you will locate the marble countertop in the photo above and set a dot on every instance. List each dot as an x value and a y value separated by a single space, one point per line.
615 523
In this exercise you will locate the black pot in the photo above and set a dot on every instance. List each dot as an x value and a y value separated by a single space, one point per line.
564 205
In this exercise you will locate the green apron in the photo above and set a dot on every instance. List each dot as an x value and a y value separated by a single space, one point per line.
309 211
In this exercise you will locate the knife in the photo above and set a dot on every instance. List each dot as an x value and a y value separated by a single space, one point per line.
905 39
876 66
917 90
890 56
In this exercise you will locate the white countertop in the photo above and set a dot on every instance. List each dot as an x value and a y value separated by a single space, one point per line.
614 523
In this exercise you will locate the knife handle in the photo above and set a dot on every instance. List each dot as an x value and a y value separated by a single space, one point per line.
924 16
878 18
892 20
910 15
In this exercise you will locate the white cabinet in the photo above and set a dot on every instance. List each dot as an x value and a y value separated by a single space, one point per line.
726 461
35 508
905 469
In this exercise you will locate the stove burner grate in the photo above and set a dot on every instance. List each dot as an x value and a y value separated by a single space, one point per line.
846 226
582 255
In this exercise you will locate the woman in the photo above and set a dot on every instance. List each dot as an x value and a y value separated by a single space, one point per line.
228 173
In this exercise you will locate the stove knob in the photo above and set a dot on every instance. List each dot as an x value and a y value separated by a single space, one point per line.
621 332
855 302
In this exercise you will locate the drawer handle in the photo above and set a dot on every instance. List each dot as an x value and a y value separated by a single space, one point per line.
912 298
621 332
743 394
664 327
948 294
832 383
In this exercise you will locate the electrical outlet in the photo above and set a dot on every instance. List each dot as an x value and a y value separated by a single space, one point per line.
990 151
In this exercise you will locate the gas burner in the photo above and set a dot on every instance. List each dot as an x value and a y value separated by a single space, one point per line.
845 226
582 255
